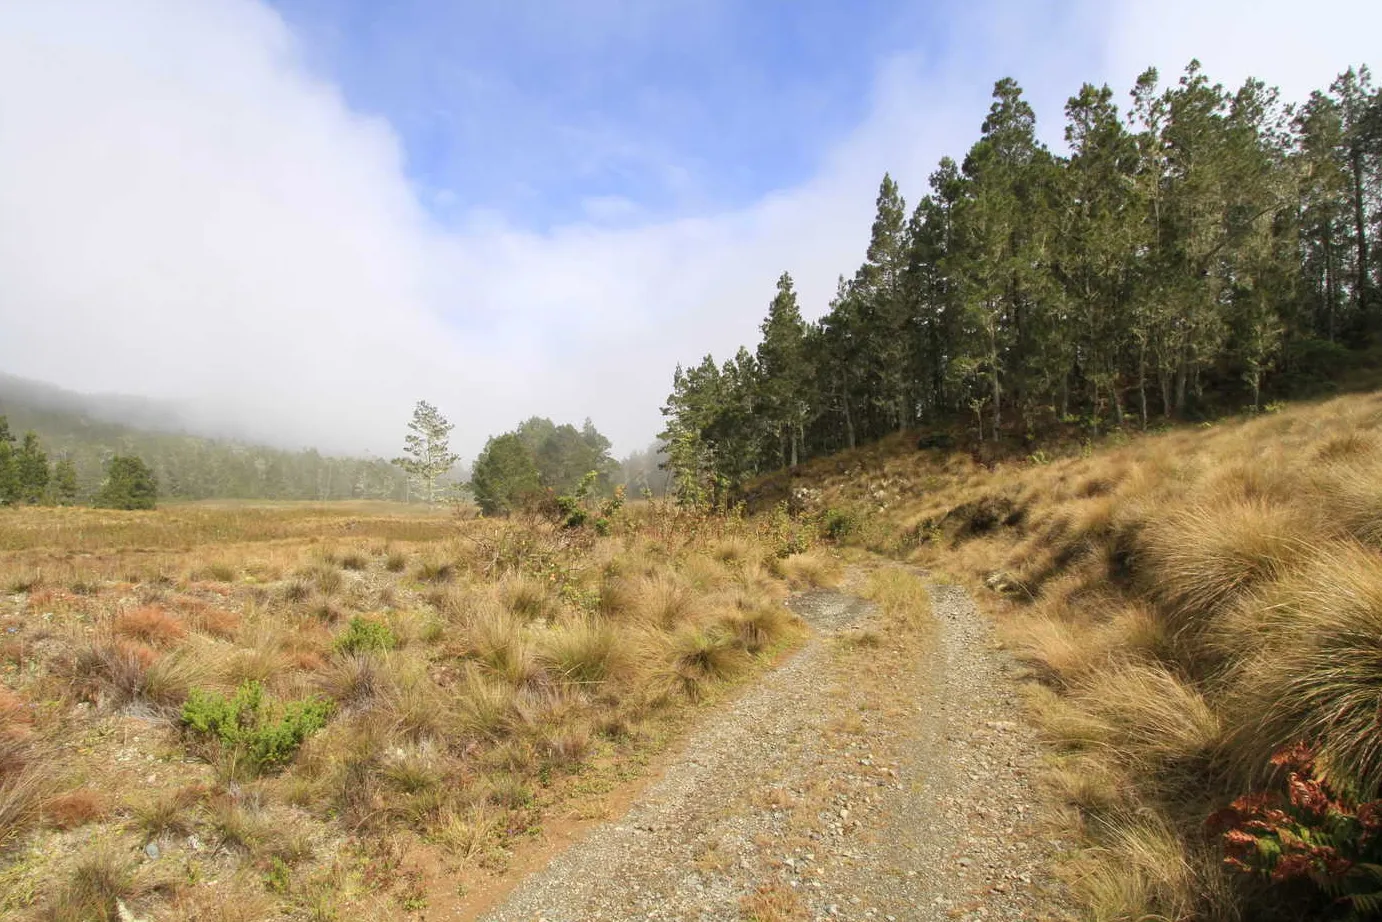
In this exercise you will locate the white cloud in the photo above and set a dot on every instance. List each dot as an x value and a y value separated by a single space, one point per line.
186 212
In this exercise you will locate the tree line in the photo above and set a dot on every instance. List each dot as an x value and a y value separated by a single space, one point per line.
1201 244
28 478
189 467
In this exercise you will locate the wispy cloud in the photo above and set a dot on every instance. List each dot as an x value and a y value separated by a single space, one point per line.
187 210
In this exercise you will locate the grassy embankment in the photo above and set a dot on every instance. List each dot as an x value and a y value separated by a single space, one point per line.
1189 602
235 712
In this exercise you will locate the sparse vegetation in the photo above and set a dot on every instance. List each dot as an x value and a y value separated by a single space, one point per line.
423 682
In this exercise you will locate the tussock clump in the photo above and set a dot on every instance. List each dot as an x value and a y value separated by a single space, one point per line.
1317 675
485 707
736 551
1155 721
901 594
807 570
1352 496
354 560
1199 559
23 789
501 643
75 808
434 570
1142 870
527 597
699 657
322 576
586 652
760 627
150 624
662 600
101 879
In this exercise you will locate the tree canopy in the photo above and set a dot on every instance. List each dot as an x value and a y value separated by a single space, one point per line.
1200 245
540 458
129 484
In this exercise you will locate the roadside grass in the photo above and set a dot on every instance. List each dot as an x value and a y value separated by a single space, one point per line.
284 702
1187 603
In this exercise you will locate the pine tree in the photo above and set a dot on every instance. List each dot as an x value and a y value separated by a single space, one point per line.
31 470
882 313
1101 241
9 471
427 448
782 365
505 475
65 482
998 254
129 484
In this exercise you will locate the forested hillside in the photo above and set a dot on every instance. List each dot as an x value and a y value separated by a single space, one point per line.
75 428
1202 248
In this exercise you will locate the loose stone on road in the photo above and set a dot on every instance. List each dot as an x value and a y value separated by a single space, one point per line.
879 773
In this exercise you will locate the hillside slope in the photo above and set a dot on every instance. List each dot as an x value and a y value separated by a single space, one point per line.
1190 603
89 429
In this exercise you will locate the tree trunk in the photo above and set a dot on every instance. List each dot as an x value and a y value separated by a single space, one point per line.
849 418
997 400
1142 382
1359 225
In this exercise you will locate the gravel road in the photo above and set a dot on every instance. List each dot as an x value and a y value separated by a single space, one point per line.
877 774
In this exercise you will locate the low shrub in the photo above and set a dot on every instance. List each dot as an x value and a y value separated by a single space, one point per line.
364 635
253 732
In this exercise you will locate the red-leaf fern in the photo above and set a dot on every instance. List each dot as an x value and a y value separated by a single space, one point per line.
1308 831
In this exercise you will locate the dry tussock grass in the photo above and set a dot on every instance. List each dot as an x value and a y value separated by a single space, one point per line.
495 659
1187 602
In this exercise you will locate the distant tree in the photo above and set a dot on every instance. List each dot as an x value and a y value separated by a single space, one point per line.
564 454
65 482
427 448
9 474
505 475
129 484
31 470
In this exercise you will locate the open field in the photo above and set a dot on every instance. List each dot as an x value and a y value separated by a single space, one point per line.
1189 604
355 711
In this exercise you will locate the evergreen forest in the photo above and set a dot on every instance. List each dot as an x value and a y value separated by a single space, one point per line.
1198 248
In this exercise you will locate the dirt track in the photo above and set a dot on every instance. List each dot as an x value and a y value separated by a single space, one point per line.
877 774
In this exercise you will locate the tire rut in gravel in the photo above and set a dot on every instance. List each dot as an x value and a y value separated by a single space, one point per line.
877 774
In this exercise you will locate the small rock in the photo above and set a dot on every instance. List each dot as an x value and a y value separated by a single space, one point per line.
152 850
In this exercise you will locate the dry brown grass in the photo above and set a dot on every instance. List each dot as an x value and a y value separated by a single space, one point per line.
150 624
521 654
1187 602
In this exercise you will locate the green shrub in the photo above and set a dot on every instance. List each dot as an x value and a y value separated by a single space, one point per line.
839 524
364 635
253 732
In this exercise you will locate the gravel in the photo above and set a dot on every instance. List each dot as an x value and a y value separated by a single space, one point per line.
855 781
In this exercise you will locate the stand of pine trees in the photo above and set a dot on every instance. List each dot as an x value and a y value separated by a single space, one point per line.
1200 244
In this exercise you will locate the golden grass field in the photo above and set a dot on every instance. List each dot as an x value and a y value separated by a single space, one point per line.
1188 603
237 711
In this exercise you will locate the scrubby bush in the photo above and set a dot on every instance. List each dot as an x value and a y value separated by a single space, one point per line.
254 733
364 635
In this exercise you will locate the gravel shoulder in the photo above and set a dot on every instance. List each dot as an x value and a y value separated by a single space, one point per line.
880 773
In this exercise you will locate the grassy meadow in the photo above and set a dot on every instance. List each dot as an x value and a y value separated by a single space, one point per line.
1189 603
237 711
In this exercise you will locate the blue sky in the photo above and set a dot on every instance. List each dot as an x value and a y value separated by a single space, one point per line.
615 110
329 209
